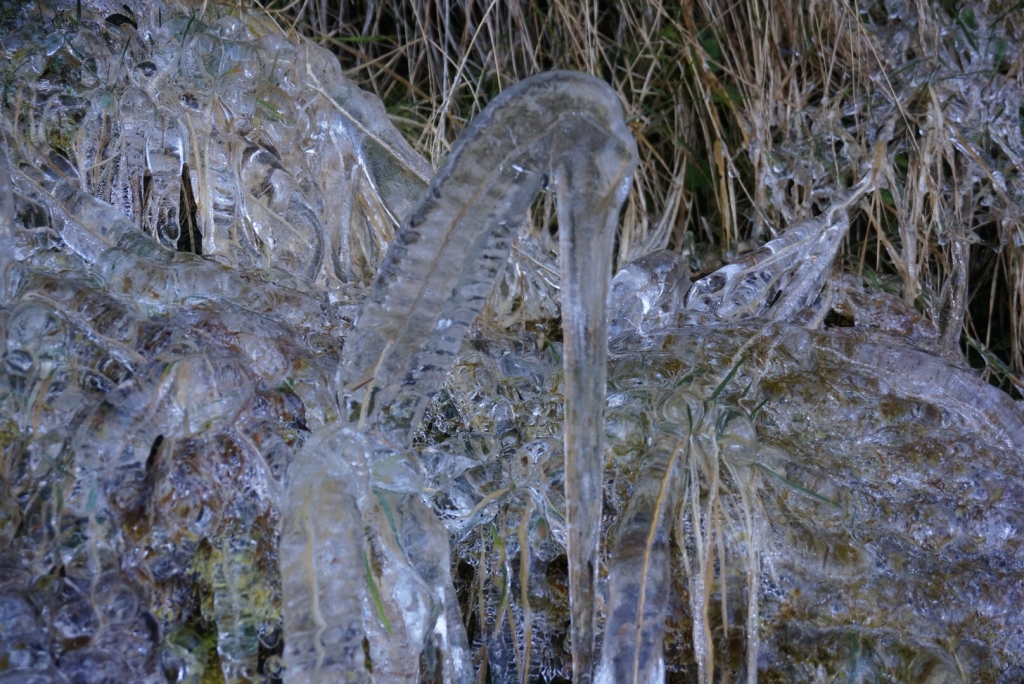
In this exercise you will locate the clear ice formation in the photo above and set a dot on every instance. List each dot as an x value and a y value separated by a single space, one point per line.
698 441
647 292
428 292
197 484
151 399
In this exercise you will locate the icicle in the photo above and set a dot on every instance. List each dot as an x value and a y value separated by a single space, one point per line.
796 264
323 575
7 255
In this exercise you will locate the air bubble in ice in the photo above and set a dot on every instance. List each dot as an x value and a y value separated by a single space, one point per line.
682 409
737 438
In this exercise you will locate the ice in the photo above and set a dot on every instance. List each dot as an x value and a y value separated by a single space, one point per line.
444 261
222 461
646 291
638 575
323 627
784 276
153 399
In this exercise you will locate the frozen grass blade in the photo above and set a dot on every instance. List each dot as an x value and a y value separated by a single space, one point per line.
639 571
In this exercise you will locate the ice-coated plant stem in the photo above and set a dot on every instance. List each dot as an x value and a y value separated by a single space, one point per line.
436 275
6 220
558 127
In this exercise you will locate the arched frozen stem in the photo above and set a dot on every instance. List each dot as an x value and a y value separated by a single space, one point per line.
561 126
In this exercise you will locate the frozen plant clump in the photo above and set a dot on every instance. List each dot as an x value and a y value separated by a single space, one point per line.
254 427
191 206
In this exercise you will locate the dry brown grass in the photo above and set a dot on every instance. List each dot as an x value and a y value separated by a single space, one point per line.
749 116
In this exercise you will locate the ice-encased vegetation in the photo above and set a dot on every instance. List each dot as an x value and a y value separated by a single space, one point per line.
202 482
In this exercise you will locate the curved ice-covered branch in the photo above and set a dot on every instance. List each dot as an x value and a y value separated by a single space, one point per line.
559 126
444 260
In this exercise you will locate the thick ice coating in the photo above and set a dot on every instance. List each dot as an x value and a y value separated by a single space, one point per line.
802 480
153 397
561 127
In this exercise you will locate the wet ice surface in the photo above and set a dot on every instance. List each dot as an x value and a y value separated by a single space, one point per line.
153 403
888 520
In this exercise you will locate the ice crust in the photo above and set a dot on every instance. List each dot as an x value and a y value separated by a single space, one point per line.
251 460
